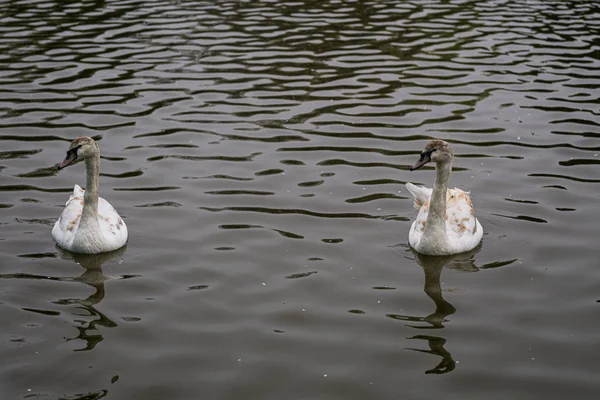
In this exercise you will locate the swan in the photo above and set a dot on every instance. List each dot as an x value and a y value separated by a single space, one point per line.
88 224
446 222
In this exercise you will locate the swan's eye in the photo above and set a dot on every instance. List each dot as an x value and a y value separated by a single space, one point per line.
426 154
73 151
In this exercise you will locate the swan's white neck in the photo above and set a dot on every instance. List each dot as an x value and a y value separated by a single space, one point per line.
89 214
435 229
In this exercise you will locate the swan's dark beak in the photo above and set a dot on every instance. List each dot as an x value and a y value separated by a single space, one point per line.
69 159
424 159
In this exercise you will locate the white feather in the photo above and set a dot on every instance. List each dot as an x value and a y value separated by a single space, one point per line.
421 194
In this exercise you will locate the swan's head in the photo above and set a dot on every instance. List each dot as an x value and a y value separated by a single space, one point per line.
80 148
437 151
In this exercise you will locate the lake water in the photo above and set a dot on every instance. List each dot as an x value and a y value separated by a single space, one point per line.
258 152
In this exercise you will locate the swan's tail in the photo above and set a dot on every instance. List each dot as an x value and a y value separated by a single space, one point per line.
420 193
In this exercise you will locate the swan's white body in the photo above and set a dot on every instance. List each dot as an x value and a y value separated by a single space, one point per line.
446 222
462 231
107 233
88 224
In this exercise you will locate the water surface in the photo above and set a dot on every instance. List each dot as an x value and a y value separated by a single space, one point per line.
258 151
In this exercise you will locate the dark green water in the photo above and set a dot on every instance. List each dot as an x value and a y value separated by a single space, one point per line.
258 152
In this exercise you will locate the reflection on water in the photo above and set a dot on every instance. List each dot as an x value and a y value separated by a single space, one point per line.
248 141
87 317
433 267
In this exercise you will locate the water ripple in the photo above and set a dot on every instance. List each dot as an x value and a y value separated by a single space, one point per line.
228 128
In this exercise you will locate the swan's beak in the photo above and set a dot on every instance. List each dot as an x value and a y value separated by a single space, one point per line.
69 159
425 158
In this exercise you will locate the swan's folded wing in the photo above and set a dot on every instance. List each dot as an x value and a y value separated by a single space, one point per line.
418 226
460 215
421 220
67 224
111 223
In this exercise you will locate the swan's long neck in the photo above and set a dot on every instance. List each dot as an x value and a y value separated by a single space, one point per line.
90 197
436 220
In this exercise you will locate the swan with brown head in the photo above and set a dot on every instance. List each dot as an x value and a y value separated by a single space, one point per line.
446 222
88 223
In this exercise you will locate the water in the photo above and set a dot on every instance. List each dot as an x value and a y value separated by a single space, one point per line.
258 152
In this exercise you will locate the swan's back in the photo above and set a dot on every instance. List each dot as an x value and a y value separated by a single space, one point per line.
463 230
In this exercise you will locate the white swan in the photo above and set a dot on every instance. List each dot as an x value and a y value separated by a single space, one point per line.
446 222
88 224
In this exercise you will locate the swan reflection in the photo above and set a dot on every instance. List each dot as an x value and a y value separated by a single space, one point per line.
432 267
88 318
